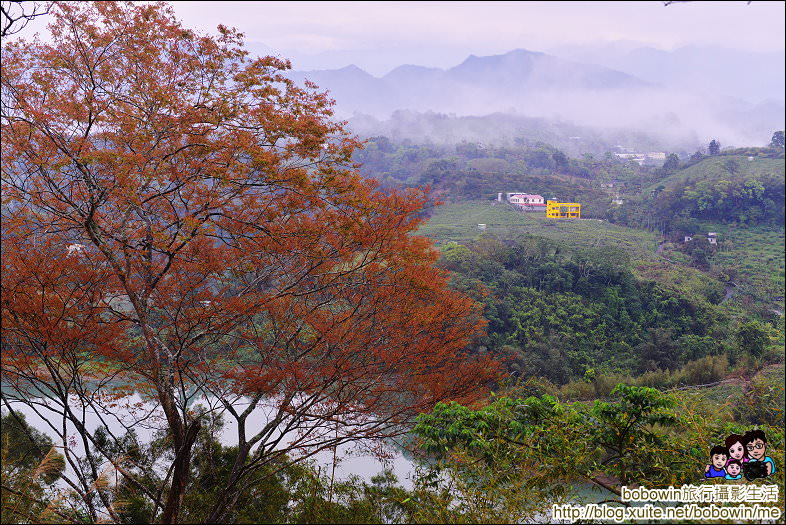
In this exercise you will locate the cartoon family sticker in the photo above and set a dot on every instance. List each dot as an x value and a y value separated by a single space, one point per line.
741 456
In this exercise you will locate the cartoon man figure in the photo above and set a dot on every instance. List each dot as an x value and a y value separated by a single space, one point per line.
733 470
718 456
756 444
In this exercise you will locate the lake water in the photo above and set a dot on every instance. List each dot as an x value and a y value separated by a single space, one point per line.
351 460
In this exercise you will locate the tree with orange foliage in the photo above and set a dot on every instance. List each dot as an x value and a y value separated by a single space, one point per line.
184 224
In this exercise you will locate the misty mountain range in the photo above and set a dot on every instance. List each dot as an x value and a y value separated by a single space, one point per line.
471 86
689 95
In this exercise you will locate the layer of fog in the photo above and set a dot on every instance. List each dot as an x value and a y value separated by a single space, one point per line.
650 117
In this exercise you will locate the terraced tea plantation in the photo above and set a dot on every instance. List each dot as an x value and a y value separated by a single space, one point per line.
459 223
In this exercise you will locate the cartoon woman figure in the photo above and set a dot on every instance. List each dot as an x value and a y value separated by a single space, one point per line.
736 449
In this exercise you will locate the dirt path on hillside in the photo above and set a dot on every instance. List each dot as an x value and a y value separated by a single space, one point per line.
659 251
743 380
730 289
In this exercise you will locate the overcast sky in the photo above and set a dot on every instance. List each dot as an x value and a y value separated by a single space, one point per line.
378 36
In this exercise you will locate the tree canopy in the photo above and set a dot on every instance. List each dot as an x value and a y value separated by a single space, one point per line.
777 140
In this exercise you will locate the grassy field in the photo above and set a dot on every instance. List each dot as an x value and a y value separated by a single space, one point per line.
459 222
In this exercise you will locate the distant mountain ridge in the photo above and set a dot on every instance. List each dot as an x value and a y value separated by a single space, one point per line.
507 78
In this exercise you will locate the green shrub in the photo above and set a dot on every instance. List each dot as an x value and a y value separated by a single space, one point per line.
577 390
708 369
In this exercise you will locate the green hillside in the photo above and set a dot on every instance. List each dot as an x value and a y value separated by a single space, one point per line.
722 168
752 257
732 397
741 198
756 255
459 222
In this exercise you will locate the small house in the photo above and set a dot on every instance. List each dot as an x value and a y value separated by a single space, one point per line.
712 237
527 201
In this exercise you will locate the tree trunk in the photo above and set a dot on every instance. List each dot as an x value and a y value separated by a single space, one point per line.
180 475
228 497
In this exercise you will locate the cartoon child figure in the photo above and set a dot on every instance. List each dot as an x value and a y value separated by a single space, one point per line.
733 470
756 445
718 456
736 449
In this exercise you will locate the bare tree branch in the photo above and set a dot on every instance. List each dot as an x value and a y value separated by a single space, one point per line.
16 14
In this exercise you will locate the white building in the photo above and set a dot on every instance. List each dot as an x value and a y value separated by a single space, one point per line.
638 158
653 157
527 200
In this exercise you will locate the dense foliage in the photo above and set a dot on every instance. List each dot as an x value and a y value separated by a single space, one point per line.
556 312
29 468
743 185
149 165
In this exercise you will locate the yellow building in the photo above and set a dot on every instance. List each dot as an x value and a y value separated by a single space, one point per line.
563 210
